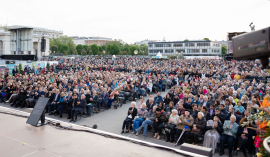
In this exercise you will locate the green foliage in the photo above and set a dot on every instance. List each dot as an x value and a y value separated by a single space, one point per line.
186 40
108 49
85 47
126 49
94 49
104 47
83 52
75 52
206 39
224 50
118 42
133 48
54 48
144 48
64 49
79 47
20 69
48 66
115 49
62 40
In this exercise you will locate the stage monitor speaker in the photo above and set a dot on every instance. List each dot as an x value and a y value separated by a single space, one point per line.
196 149
38 111
43 44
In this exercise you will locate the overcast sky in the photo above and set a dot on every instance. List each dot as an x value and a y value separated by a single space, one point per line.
136 20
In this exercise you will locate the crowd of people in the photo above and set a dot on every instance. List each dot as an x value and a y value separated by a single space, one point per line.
207 99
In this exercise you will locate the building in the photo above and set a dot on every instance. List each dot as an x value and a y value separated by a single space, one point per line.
90 40
229 40
187 48
144 42
37 35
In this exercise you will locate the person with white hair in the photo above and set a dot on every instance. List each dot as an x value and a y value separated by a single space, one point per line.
132 112
171 126
205 102
198 128
141 116
230 128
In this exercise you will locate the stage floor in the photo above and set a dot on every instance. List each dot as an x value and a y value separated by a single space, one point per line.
20 139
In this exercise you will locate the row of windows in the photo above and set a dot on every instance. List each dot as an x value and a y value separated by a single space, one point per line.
179 44
216 45
214 50
188 51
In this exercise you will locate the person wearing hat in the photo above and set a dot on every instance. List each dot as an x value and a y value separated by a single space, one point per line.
185 121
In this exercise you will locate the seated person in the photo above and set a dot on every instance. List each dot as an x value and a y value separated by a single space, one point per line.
68 103
239 109
52 106
150 117
198 128
211 111
94 102
132 112
79 107
205 112
245 138
103 99
60 104
150 104
185 122
194 111
173 121
21 99
212 135
170 108
158 98
158 122
230 128
141 115
167 100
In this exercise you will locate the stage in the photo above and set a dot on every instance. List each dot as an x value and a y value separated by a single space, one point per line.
20 139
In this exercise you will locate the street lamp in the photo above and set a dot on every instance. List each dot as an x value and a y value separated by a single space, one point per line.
136 52
103 53
176 54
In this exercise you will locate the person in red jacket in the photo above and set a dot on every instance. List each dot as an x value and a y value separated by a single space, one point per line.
232 75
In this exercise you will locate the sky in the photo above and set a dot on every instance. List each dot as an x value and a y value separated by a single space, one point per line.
137 20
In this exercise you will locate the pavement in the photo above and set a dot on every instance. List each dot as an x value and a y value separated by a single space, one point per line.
112 120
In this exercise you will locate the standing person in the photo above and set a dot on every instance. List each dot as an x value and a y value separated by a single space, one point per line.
132 112
15 71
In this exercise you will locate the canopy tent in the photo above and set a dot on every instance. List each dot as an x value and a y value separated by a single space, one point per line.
159 56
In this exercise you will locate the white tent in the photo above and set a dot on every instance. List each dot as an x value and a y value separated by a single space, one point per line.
159 54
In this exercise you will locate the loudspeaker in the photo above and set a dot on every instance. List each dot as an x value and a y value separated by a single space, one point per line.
43 44
196 149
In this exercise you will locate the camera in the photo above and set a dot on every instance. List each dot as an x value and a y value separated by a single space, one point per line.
253 45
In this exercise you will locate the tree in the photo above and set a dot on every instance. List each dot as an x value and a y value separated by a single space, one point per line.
85 47
88 50
126 49
64 49
144 48
54 48
63 40
20 69
79 47
48 66
104 47
108 49
224 50
119 42
206 39
186 40
75 52
83 52
94 49
133 48
115 49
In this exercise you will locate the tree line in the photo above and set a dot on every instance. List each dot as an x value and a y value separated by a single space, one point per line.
66 46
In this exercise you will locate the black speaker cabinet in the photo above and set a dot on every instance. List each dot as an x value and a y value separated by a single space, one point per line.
196 149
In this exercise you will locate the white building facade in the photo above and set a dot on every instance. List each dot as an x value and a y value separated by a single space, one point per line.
37 35
187 48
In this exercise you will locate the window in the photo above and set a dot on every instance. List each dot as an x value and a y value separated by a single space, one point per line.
192 44
167 45
155 51
187 44
179 51
150 45
177 45
168 51
193 50
158 45
204 50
